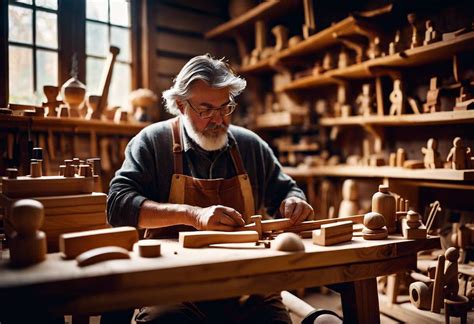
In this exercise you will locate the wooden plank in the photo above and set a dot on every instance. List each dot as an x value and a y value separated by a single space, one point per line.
330 234
75 209
71 222
73 244
169 65
26 186
4 67
279 119
180 44
200 239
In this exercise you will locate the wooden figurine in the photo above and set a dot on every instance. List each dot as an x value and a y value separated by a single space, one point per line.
394 46
51 93
349 205
341 108
288 242
413 228
438 286
383 202
454 304
458 155
365 101
432 97
343 59
374 50
73 92
309 27
27 243
331 234
328 63
465 101
374 227
415 42
431 35
397 99
281 37
432 159
401 156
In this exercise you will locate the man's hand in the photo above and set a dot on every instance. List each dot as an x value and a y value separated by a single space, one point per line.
218 218
296 209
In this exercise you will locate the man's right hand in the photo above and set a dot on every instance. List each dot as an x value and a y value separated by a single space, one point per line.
217 217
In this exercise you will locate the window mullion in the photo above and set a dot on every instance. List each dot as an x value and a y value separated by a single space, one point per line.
35 77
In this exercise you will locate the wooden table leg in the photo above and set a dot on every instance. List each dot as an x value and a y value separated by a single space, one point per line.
360 302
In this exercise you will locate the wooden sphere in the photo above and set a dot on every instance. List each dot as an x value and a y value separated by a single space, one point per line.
374 220
452 254
27 216
413 216
288 242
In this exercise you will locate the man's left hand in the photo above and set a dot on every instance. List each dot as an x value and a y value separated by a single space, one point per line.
296 209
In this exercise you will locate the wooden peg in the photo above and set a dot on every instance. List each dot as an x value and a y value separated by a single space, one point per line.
257 219
401 157
101 254
431 35
415 42
85 170
35 169
12 173
199 239
392 160
438 295
331 234
148 248
288 242
309 27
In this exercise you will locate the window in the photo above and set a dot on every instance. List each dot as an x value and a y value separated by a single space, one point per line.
108 23
33 49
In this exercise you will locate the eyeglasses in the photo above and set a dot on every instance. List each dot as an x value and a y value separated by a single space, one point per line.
206 113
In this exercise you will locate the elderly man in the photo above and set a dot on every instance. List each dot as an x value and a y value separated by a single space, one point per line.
197 171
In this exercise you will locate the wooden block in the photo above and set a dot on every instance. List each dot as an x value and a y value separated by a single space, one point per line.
200 239
73 244
73 222
333 233
413 233
47 186
101 254
148 248
413 164
77 209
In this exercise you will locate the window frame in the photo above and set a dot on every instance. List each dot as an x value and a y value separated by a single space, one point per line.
71 40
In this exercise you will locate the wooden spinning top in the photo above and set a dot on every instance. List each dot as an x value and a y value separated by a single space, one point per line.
374 227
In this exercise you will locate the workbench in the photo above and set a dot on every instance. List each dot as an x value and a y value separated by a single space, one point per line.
58 286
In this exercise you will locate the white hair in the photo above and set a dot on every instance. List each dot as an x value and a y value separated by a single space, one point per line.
216 73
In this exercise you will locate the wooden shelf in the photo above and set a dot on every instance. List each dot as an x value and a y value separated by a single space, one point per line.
265 10
262 66
299 147
279 119
77 125
381 172
431 53
436 118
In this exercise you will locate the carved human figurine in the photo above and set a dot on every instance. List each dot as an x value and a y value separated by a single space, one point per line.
451 283
396 98
374 48
365 101
341 108
349 205
343 59
432 159
458 155
394 47
415 42
327 62
430 34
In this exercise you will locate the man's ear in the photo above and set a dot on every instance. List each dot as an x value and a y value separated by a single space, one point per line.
180 105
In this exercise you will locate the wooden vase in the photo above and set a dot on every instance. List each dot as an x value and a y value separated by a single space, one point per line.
383 202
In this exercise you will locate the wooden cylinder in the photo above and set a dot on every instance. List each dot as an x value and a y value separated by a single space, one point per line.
35 169
85 170
383 202
420 295
12 173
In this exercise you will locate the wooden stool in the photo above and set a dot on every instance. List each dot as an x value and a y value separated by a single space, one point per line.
456 308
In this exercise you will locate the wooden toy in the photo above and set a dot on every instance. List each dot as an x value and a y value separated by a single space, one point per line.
281 37
73 244
383 202
400 157
394 46
330 234
309 27
421 294
106 80
375 228
456 308
349 205
432 97
458 155
101 254
288 242
51 93
431 35
365 101
328 63
374 50
455 304
73 92
148 248
413 164
200 239
343 58
415 42
412 227
92 103
434 209
438 294
27 243
341 108
397 99
432 159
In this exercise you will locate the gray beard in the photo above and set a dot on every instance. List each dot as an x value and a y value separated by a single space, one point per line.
214 140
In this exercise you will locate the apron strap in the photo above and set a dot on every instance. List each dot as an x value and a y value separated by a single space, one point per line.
236 157
177 146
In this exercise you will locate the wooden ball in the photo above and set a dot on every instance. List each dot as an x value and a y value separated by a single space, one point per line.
374 220
452 254
288 242
413 216
27 216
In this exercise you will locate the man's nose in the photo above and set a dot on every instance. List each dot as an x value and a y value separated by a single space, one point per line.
217 117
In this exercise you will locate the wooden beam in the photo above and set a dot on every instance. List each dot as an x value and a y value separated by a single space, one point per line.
4 92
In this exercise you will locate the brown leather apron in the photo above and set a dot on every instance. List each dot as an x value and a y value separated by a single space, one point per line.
235 192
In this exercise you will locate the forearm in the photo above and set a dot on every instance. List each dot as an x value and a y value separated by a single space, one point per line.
154 215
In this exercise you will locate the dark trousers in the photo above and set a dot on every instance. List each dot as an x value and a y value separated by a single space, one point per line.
254 309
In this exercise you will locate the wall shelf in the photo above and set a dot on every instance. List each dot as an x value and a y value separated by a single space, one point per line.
436 118
263 66
380 172
279 119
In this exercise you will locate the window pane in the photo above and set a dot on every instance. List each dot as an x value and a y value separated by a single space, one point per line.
94 69
121 84
97 40
120 37
120 12
20 24
21 75
97 10
51 4
46 69
25 1
46 29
